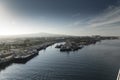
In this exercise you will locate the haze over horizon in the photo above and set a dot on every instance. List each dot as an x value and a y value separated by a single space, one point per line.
71 17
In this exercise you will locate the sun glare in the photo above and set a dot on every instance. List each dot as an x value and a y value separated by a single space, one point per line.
7 23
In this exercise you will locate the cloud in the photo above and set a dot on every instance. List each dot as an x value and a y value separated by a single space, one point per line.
105 23
110 16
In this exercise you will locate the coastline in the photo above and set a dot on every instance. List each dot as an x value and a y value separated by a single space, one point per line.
28 54
23 55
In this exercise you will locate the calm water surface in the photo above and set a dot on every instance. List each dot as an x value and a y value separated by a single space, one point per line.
95 62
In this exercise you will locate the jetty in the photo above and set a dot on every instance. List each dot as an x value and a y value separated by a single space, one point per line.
69 46
76 43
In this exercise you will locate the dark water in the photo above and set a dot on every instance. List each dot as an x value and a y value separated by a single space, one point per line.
94 62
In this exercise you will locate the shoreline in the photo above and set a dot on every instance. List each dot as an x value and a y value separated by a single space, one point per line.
28 54
19 55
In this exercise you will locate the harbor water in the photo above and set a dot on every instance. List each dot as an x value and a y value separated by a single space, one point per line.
100 61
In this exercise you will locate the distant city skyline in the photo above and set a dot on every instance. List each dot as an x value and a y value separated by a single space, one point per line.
70 17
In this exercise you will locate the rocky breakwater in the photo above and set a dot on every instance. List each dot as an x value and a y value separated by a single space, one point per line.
69 46
75 43
21 55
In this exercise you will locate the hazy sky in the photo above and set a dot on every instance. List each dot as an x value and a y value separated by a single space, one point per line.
74 17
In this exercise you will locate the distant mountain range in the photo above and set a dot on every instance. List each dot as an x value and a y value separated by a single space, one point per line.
33 35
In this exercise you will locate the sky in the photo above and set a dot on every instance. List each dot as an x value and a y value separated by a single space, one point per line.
72 17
